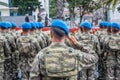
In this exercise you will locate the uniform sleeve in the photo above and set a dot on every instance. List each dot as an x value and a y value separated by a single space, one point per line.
7 48
12 44
97 45
35 70
86 59
38 48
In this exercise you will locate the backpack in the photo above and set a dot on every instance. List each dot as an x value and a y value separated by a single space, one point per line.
2 56
25 46
60 62
114 43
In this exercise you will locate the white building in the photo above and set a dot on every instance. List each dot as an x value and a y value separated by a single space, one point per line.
115 15
4 8
44 8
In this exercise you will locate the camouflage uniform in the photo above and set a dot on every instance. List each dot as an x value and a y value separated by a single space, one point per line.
111 59
43 39
84 60
10 64
4 55
27 58
15 56
90 42
101 66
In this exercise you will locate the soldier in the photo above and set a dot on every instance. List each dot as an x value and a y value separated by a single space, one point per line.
4 52
58 61
12 30
11 41
33 29
44 36
28 47
102 32
111 43
90 42
39 36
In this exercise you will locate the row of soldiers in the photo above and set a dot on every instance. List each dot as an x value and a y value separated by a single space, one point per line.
16 62
105 43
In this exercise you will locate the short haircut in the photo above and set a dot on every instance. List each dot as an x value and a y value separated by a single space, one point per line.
58 33
24 30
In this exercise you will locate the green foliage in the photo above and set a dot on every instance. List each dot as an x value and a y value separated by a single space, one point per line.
26 6
53 8
111 2
118 9
85 6
4 4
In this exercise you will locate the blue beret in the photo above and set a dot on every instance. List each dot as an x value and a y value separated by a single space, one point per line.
60 24
40 25
13 25
33 25
115 25
9 24
102 23
26 26
86 25
108 24
3 25
36 24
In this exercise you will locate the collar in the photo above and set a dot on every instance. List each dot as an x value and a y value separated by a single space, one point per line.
57 44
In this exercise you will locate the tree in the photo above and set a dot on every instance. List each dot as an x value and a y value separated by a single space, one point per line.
72 5
60 8
107 5
86 7
111 3
26 6
53 8
4 4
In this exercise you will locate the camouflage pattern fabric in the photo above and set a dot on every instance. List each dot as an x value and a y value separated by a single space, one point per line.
8 62
4 52
14 56
28 47
38 66
101 65
112 57
43 39
118 65
89 42
60 62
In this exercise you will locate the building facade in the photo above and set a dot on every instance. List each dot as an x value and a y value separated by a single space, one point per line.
4 8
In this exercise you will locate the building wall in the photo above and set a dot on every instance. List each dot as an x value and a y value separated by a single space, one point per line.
45 7
4 10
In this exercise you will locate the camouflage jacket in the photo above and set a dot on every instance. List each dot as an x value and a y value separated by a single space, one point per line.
38 67
11 41
88 41
26 59
5 51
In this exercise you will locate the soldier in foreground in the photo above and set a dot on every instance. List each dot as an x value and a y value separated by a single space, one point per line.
58 61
